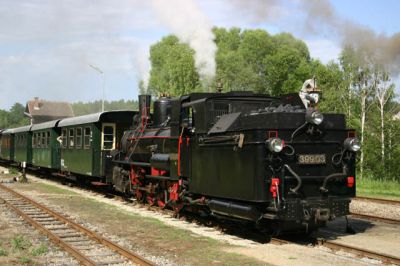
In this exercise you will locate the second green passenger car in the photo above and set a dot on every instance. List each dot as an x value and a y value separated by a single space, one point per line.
45 147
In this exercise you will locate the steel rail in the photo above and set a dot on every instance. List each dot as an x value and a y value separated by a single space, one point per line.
92 235
386 258
375 218
378 200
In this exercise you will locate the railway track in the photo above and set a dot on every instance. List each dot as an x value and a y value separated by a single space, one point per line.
336 246
379 200
385 258
83 244
375 218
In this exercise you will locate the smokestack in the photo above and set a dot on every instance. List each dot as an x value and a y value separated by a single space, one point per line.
144 108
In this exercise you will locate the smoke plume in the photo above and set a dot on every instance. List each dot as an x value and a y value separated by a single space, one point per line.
320 17
185 19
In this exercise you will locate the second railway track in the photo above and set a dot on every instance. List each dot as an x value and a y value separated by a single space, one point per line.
379 200
86 246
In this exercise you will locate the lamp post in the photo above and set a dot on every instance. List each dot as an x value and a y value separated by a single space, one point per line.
98 70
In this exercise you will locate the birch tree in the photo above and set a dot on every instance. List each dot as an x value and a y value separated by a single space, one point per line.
383 91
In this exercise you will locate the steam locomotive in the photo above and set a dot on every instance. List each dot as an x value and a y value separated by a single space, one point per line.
276 162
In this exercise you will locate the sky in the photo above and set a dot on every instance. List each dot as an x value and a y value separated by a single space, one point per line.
47 47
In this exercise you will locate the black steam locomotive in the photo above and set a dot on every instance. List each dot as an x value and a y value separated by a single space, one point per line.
276 162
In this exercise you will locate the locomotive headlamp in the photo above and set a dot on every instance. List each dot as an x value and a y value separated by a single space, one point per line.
314 117
352 144
275 144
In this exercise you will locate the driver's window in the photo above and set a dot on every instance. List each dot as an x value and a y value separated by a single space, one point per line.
187 120
108 136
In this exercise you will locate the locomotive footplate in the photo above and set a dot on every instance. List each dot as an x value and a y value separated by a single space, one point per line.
314 210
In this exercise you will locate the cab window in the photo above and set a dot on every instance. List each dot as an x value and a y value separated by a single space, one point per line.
108 136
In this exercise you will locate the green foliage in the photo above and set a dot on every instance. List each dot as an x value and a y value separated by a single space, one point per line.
13 118
246 60
42 249
172 68
3 252
376 187
25 260
19 242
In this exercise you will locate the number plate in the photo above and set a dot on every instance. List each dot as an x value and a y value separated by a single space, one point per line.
311 159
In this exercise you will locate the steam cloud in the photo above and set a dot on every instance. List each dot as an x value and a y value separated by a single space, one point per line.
321 17
185 19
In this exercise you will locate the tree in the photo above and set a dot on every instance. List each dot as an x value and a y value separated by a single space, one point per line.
359 66
384 89
172 68
16 117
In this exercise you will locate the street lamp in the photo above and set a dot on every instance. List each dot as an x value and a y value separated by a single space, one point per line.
98 70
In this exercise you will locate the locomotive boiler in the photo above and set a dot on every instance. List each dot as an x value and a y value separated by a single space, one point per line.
277 162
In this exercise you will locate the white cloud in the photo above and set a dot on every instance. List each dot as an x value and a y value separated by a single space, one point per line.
323 49
46 46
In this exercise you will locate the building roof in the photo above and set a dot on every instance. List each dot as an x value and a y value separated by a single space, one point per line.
50 110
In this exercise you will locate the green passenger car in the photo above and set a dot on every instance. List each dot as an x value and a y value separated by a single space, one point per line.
7 145
45 146
86 140
22 144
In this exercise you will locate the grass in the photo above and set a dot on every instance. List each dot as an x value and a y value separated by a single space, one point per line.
25 260
378 188
42 249
3 252
19 242
45 188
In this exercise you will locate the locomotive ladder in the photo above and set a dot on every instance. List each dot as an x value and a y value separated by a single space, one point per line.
83 244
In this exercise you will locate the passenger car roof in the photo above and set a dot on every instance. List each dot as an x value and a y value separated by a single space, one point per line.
86 119
45 125
20 129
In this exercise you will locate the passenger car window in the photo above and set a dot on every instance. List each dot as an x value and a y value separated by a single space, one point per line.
43 139
34 140
87 137
64 138
71 138
38 140
48 138
79 137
